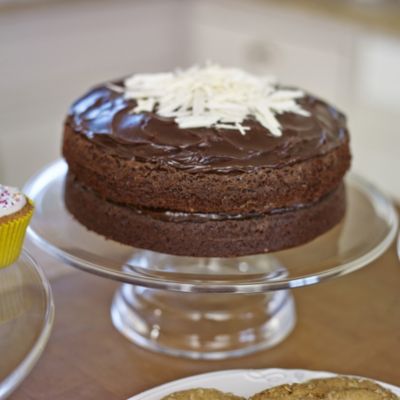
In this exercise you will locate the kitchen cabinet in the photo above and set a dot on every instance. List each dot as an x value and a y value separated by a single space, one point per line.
299 49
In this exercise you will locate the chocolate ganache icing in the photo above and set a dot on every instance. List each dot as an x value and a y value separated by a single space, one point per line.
106 117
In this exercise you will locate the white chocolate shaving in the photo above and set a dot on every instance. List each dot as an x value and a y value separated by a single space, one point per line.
212 96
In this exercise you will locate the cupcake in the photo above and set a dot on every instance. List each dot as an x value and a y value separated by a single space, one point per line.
15 213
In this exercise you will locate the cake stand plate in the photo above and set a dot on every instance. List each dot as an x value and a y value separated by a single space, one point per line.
190 306
26 318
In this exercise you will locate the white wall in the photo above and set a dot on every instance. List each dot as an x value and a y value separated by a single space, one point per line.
51 54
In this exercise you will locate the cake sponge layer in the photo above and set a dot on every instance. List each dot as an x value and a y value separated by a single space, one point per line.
204 235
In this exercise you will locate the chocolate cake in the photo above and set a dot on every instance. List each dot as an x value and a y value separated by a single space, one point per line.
205 162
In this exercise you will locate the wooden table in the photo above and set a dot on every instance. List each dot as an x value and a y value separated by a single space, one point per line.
349 325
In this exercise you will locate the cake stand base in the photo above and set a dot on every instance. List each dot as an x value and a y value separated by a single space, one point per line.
202 326
207 325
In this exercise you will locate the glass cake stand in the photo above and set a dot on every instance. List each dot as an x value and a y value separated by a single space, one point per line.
210 308
26 319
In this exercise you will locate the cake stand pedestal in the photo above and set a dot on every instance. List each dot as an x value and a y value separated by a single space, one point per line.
210 308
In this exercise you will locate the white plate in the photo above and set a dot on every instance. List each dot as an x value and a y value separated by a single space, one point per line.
244 382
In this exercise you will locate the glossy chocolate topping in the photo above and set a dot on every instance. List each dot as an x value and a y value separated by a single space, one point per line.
105 117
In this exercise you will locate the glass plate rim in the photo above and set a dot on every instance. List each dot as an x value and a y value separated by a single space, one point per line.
18 375
52 170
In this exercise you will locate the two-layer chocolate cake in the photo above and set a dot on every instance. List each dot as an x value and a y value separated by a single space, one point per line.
205 162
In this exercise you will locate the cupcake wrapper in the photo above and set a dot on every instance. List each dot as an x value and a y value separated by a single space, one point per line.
12 236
